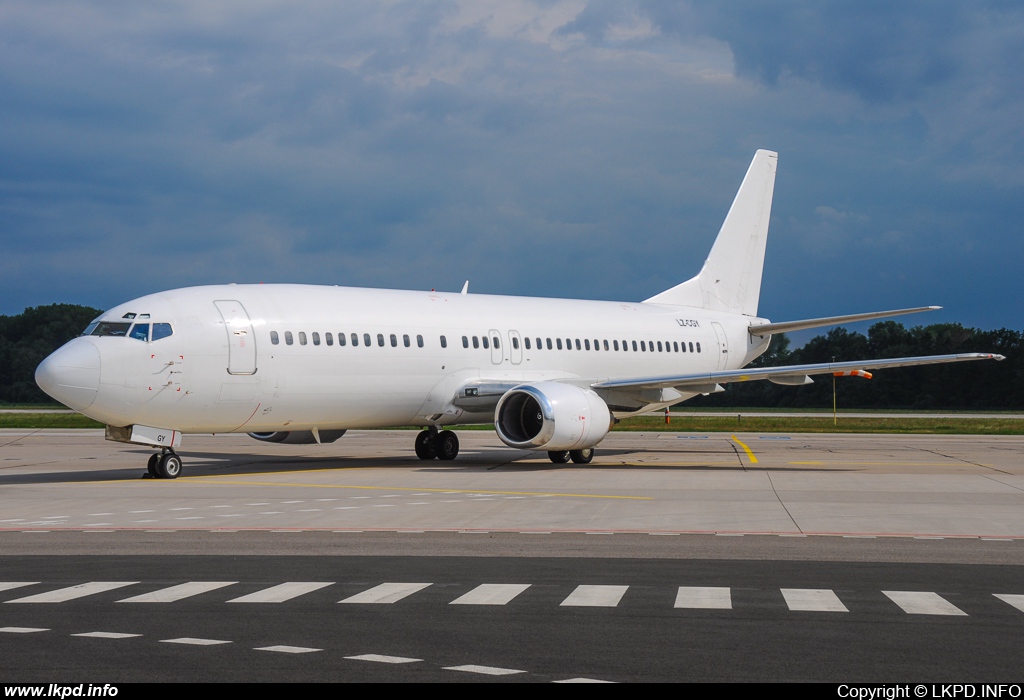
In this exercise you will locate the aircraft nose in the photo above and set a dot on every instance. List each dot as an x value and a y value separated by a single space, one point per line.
71 374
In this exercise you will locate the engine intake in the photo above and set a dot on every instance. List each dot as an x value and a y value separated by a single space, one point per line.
551 416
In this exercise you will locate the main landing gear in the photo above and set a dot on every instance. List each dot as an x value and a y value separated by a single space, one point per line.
577 456
431 444
166 465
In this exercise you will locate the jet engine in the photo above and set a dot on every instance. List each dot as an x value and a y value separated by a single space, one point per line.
551 416
297 437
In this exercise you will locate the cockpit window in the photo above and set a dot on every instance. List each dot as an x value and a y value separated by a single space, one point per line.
90 328
140 331
162 330
111 328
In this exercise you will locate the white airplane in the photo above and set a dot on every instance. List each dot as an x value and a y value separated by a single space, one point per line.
298 363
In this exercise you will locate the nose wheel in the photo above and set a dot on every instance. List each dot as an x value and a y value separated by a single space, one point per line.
166 465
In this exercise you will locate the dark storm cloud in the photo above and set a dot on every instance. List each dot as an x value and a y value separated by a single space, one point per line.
567 148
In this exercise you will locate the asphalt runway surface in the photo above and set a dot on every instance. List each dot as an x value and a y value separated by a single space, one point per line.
671 557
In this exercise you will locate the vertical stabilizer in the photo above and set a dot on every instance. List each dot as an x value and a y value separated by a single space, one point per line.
731 277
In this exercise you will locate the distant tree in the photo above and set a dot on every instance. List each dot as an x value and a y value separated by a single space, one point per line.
26 339
976 385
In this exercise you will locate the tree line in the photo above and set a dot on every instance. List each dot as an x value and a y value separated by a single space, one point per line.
968 385
27 338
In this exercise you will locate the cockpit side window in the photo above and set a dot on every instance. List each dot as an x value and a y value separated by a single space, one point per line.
140 331
90 328
111 328
162 330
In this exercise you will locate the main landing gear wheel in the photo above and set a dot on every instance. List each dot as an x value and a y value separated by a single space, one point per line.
151 466
559 456
169 466
446 445
582 456
426 447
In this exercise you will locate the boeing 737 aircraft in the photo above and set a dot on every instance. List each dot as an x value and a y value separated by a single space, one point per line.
297 363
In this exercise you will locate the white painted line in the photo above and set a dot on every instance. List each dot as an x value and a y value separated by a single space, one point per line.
704 598
8 585
23 630
106 635
71 593
595 596
813 600
287 649
282 592
923 603
491 594
581 680
386 593
485 670
378 658
1016 601
175 593
195 641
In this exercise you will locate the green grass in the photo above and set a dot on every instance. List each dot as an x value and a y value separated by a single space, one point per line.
690 423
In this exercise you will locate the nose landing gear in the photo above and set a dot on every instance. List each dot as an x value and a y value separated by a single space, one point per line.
166 465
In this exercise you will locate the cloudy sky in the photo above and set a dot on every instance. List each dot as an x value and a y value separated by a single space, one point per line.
575 148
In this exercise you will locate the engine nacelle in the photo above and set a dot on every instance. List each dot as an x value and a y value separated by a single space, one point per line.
551 416
297 437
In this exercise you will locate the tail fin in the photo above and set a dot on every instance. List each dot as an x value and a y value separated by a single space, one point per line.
731 277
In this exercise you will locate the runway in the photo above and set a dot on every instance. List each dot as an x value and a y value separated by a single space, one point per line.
672 557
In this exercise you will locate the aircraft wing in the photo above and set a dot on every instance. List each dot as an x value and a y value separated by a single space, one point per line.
789 374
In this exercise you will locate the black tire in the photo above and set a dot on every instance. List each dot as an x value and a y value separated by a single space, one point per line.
582 456
169 466
426 448
153 465
559 456
447 445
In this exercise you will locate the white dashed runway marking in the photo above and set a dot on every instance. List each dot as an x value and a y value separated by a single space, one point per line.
704 598
282 592
491 594
71 593
179 592
923 603
386 593
813 600
595 596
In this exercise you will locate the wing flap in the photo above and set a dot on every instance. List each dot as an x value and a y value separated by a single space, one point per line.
795 373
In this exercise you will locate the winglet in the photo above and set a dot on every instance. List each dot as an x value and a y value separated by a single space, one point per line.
465 288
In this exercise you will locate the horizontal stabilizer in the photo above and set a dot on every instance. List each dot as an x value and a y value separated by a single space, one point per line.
690 382
787 326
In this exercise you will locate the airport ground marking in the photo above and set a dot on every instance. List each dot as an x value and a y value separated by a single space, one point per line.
750 454
210 480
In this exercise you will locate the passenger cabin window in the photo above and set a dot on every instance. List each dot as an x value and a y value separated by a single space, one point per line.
606 346
634 346
659 347
698 347
316 338
525 340
684 345
444 341
465 342
476 342
394 340
578 347
419 341
406 341
140 331
275 339
329 338
484 341
615 344
549 344
515 343
302 337
355 340
341 339
558 343
380 339
366 339
586 343
288 340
